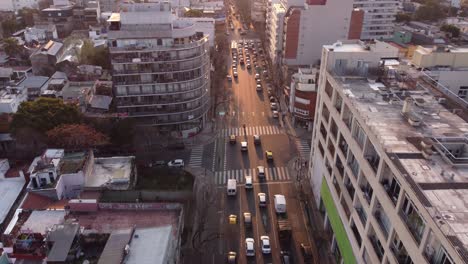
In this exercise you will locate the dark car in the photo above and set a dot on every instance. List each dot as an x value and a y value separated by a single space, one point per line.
306 251
285 257
232 258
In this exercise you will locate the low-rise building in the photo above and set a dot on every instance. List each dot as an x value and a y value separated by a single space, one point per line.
302 95
61 175
11 98
43 61
40 33
444 66
12 181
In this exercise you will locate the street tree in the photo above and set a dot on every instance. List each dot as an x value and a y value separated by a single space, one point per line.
28 16
451 29
205 199
11 47
75 136
43 115
193 13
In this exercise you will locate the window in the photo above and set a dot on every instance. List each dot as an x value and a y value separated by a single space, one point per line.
412 218
463 92
359 135
353 164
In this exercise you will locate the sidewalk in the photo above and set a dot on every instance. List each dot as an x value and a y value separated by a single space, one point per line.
206 136
314 224
286 123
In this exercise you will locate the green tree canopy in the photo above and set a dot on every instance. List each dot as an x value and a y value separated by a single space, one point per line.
11 46
75 136
194 13
403 17
430 11
9 27
43 115
94 55
453 30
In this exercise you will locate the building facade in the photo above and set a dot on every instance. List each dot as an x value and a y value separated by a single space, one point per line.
379 18
305 33
302 95
258 10
274 30
161 68
387 162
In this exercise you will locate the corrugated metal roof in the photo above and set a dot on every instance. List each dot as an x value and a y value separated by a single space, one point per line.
114 249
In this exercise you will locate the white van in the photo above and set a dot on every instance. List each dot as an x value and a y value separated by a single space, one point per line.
231 187
280 203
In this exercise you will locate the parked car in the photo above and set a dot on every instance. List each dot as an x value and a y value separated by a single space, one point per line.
177 163
306 251
229 78
235 74
274 106
259 88
275 114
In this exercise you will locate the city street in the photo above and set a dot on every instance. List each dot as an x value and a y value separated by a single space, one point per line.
246 114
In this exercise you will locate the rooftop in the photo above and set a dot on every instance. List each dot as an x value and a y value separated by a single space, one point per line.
62 237
439 178
40 221
10 189
113 251
143 250
110 172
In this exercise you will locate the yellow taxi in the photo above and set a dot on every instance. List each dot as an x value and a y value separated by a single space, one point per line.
233 219
269 154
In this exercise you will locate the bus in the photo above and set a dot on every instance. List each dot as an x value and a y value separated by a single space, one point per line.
233 46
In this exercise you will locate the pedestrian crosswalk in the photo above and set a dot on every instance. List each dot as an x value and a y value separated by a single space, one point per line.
250 131
303 147
271 174
196 157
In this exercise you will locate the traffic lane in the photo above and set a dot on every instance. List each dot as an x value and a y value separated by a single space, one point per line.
266 223
248 205
231 231
279 144
296 218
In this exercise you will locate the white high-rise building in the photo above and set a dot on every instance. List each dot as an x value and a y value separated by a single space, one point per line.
274 30
379 18
389 161
160 67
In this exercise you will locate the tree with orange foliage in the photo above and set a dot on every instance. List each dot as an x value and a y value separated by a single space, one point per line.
76 136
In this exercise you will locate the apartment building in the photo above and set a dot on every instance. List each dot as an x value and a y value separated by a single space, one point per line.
274 30
379 18
389 162
161 68
257 10
446 67
305 33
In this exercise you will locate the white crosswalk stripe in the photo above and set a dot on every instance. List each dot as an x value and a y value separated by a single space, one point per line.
196 157
271 174
256 130
303 148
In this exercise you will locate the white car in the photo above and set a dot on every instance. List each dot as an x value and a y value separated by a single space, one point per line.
249 247
275 114
266 249
229 78
257 76
274 106
261 199
248 182
259 88
177 163
235 74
